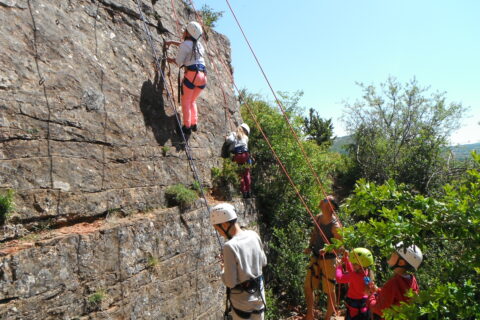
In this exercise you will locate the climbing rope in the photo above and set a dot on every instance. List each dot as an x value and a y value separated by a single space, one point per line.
188 152
177 25
271 148
307 159
282 108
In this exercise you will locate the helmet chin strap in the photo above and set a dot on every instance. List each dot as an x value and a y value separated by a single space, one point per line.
226 231
396 265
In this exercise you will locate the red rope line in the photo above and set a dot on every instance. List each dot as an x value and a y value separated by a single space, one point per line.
280 105
176 19
271 147
329 286
273 151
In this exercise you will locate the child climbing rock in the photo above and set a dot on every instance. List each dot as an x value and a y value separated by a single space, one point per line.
190 56
358 277
243 260
404 261
238 141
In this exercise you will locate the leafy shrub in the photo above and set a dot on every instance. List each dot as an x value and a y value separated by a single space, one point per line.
6 205
399 131
165 150
226 180
180 195
287 247
445 227
197 187
152 262
273 312
97 297
209 16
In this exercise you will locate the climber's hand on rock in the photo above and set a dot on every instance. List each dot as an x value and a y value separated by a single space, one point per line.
171 42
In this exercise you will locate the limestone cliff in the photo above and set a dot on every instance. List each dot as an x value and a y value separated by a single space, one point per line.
86 131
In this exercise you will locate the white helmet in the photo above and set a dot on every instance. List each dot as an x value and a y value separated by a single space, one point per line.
194 29
413 255
246 127
221 213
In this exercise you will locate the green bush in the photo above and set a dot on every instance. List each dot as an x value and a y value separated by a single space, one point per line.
6 205
197 187
97 297
165 150
152 262
445 227
273 312
209 16
179 195
226 180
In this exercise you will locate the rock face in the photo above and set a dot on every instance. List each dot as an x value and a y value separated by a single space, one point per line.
86 129
160 265
84 125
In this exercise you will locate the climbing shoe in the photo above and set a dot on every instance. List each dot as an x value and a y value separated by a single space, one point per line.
186 131
194 128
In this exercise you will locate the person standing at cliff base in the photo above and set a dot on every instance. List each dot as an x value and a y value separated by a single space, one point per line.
243 260
321 269
190 56
404 261
238 142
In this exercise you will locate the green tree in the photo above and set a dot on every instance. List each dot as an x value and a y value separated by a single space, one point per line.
399 132
318 129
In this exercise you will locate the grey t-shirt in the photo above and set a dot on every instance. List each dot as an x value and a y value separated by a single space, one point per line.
244 259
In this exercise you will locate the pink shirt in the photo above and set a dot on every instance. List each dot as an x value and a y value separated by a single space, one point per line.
356 282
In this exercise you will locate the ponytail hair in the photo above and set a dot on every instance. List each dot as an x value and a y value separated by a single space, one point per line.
241 133
195 50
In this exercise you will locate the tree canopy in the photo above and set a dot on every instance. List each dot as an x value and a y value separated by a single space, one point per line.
398 132
318 129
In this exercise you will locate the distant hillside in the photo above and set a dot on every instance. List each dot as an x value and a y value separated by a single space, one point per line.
461 152
340 143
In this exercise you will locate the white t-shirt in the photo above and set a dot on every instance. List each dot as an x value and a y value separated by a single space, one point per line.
244 259
185 56
235 142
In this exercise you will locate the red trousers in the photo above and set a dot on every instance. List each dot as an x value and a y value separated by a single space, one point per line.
246 180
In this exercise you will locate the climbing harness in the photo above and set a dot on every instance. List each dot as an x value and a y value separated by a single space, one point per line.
251 286
189 84
280 105
360 305
320 275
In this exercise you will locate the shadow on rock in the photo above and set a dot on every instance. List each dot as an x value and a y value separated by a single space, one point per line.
152 105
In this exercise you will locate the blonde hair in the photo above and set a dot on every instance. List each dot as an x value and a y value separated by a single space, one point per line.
241 133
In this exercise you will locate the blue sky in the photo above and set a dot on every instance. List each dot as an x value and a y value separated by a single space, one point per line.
324 47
